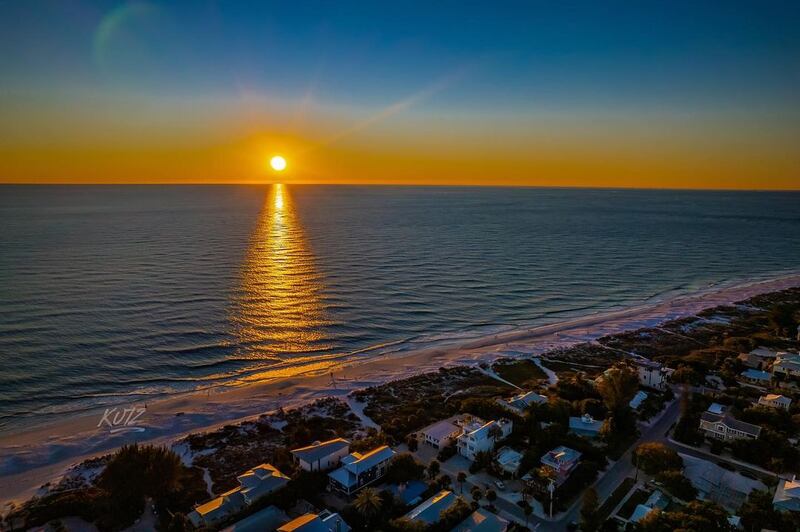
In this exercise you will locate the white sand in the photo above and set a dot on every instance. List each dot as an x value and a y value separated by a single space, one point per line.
31 458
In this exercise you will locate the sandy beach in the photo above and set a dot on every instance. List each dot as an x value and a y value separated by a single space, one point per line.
34 457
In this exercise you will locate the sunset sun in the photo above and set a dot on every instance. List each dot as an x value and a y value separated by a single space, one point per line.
278 163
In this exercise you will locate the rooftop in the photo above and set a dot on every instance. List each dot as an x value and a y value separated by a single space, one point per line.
481 520
585 424
716 408
756 374
561 455
320 450
429 511
441 429
732 422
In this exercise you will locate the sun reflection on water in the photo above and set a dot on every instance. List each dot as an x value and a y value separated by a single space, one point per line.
280 316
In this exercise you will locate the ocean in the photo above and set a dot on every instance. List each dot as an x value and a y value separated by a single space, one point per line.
116 293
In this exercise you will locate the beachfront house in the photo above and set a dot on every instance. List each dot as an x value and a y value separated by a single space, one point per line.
652 374
787 496
725 427
787 365
775 401
321 456
508 460
637 400
270 518
585 426
359 470
519 403
440 434
478 435
253 485
561 461
482 520
756 376
430 511
322 522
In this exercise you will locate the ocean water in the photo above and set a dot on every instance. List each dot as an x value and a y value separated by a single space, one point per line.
109 293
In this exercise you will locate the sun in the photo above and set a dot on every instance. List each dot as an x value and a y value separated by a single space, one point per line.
278 163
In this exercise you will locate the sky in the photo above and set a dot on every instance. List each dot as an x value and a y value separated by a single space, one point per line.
592 94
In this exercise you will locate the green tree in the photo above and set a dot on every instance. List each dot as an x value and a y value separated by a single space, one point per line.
404 467
677 484
433 469
782 320
617 386
652 457
491 496
461 478
412 443
589 517
368 503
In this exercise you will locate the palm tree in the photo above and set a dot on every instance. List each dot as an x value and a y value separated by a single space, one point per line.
433 469
527 509
368 503
461 478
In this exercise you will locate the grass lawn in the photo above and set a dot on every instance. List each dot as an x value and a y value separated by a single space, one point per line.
613 500
521 373
638 497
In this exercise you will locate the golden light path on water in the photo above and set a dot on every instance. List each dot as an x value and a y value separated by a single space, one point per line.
279 316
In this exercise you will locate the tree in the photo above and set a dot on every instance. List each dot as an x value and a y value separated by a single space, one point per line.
412 443
782 321
617 386
653 457
527 509
677 484
404 467
180 523
697 515
457 512
589 517
491 496
433 469
477 495
368 503
461 478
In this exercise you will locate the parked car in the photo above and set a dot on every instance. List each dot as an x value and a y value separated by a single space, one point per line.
499 484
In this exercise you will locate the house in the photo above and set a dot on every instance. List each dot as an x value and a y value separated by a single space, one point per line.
269 518
652 374
562 461
358 469
764 353
725 427
321 456
440 434
787 496
656 500
323 522
518 404
787 365
253 484
585 425
480 436
429 512
717 484
482 520
752 361
775 401
637 400
756 376
509 460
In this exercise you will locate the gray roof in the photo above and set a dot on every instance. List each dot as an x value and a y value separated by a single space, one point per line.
430 510
732 422
269 518
318 451
482 520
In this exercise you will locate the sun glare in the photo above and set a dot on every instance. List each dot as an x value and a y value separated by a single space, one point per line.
278 163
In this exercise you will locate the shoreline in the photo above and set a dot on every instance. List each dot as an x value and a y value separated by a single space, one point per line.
33 457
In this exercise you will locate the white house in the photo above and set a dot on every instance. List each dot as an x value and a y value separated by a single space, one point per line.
519 403
725 427
430 511
478 436
652 374
787 364
358 469
322 522
562 461
787 496
253 484
440 434
321 456
509 460
775 401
